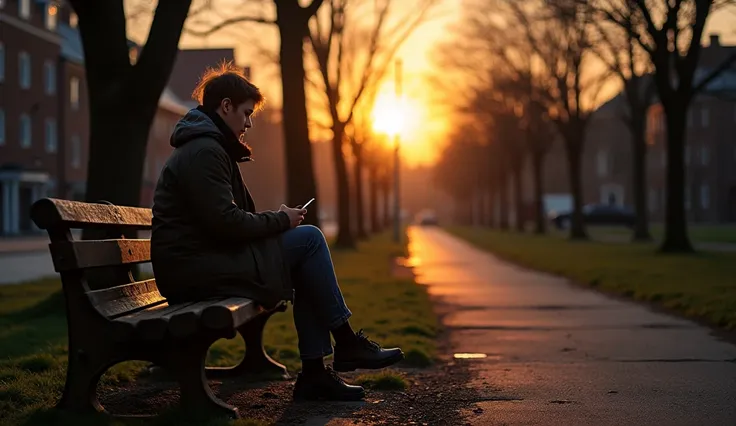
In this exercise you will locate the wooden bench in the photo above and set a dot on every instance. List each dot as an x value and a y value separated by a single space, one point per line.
123 319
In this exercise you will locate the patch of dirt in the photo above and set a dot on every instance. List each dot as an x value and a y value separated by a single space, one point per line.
439 395
434 396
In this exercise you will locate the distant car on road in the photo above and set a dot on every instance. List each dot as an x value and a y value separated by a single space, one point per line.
598 214
427 218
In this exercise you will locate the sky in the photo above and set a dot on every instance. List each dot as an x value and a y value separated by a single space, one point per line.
428 122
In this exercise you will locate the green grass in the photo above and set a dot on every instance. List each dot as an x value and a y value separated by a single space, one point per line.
384 380
33 341
698 233
700 286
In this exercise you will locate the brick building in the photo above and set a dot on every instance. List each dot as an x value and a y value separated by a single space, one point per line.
44 118
710 157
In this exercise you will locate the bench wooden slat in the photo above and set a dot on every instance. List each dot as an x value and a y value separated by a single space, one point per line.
231 313
48 213
148 323
125 299
71 255
186 319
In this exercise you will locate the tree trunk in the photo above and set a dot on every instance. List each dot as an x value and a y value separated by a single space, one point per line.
537 172
358 177
676 239
373 200
115 168
386 187
300 180
491 194
123 100
639 151
503 202
344 231
574 150
464 211
518 198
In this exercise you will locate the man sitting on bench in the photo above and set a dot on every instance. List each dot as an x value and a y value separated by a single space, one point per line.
208 241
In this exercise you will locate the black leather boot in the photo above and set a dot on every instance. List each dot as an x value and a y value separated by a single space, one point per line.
364 353
325 385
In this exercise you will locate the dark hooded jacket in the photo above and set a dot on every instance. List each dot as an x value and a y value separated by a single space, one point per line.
207 239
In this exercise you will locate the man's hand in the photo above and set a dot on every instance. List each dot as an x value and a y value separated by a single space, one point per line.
296 216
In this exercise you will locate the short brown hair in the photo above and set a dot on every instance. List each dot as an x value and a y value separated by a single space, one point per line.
226 81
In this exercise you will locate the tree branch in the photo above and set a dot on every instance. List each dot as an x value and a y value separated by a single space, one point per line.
228 22
157 57
312 9
102 27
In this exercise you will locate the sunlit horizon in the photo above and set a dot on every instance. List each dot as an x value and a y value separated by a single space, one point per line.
426 122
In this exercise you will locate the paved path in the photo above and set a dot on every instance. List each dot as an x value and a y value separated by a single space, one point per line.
557 354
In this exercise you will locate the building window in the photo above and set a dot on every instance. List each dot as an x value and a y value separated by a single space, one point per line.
602 163
49 76
704 117
24 9
704 197
24 70
2 61
76 152
52 14
51 135
704 155
74 93
24 131
73 20
2 127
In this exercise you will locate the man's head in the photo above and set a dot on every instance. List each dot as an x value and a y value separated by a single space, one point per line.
228 92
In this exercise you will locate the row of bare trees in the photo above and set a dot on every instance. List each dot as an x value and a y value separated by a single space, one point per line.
337 50
543 65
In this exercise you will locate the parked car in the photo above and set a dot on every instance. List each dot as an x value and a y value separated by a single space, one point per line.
598 214
427 218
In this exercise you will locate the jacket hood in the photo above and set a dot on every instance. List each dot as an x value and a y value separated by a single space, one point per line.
195 124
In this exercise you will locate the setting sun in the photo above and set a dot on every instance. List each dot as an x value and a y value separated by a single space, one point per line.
392 116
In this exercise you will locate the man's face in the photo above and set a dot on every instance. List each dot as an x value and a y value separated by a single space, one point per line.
238 118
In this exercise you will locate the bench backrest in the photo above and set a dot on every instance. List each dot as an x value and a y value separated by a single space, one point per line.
78 260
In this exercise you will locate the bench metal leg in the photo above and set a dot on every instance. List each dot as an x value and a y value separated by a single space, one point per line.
82 376
256 361
186 364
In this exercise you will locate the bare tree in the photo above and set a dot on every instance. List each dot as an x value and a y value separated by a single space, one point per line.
670 33
123 97
361 139
459 172
558 36
292 20
533 55
498 109
617 48
352 59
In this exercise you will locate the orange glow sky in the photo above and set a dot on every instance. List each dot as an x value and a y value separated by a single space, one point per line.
428 121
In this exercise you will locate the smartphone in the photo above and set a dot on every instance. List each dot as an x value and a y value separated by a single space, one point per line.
308 203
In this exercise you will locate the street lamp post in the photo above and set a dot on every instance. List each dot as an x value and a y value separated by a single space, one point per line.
397 160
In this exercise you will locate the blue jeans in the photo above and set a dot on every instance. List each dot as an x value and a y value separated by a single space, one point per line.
318 303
